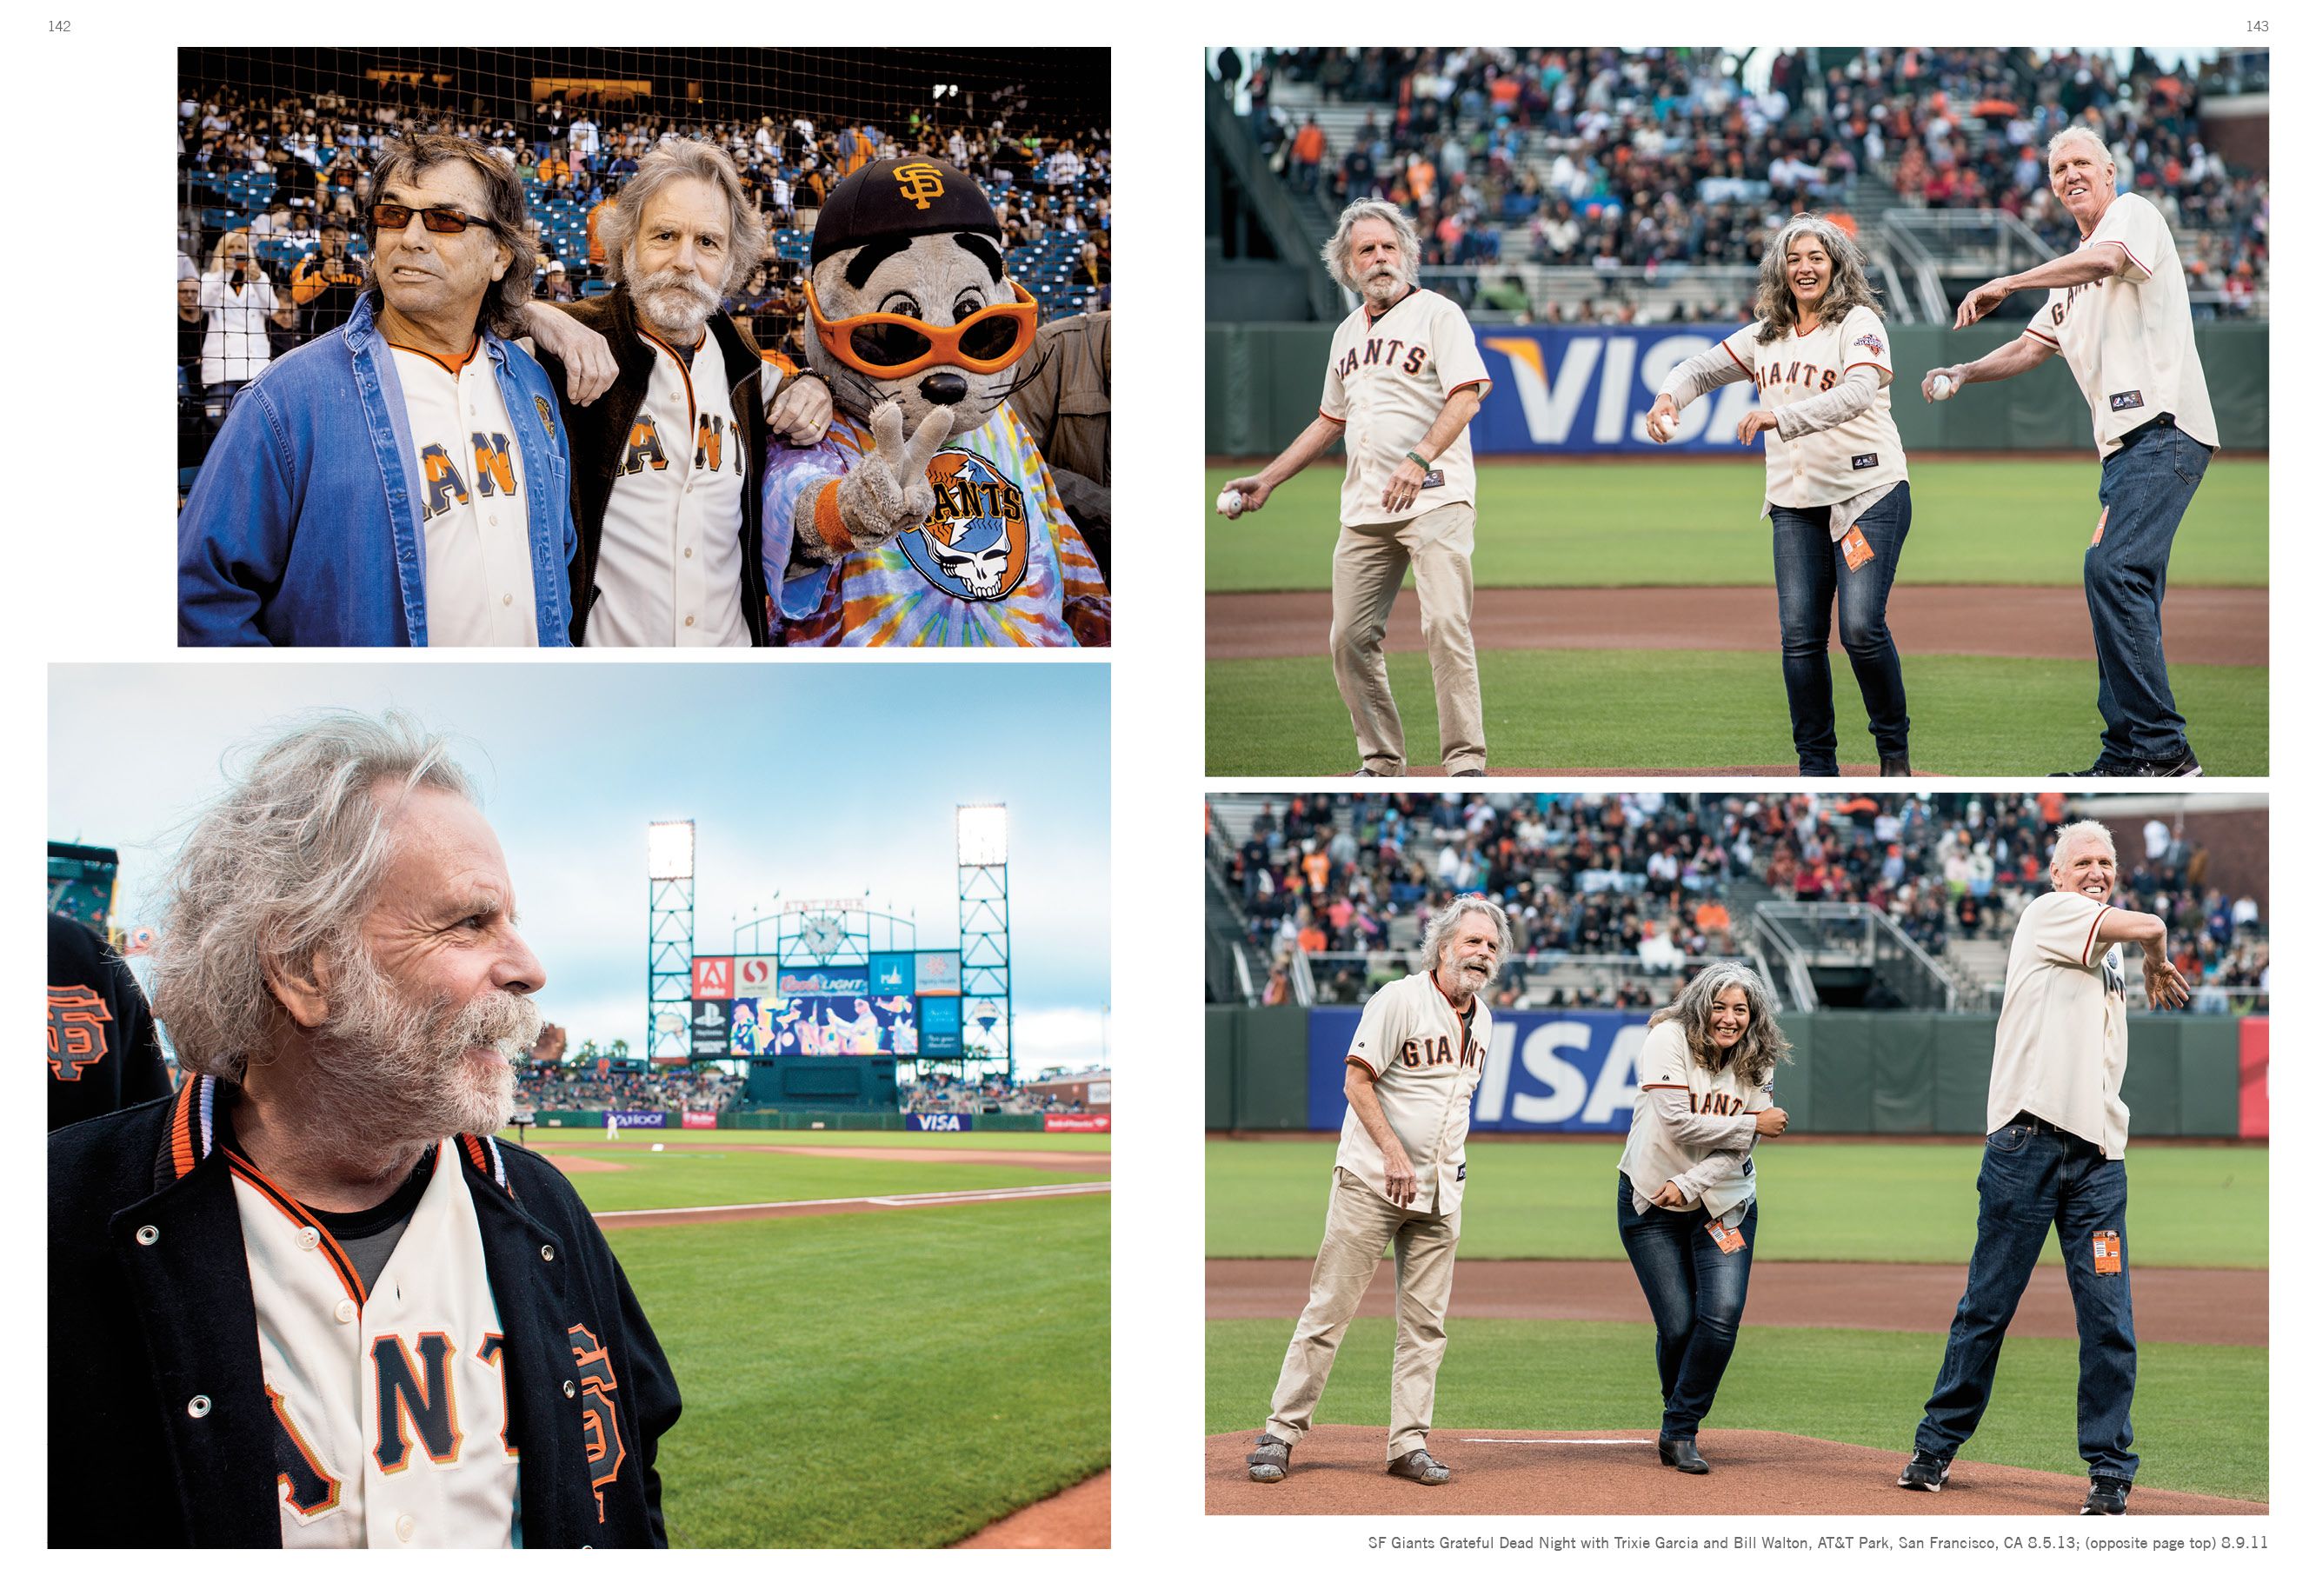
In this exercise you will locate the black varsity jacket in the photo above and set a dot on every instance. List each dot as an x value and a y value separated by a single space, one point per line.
159 1429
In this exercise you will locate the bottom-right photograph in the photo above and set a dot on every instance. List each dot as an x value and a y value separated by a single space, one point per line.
1805 1153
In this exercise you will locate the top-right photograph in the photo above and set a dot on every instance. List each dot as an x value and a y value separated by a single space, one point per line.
1746 411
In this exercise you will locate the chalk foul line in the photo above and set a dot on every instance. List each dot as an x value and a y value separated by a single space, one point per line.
897 1200
1551 1440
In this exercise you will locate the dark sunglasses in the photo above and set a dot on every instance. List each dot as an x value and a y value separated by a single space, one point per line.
439 218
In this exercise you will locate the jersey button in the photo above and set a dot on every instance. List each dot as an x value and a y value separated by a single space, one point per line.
147 1234
687 554
506 599
346 1310
687 620
308 1238
404 1527
199 1407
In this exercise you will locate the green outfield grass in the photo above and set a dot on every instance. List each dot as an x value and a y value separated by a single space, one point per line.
1636 709
2199 1412
578 1139
694 1177
2189 1205
1687 523
878 1379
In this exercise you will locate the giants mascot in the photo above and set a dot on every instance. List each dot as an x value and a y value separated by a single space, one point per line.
926 515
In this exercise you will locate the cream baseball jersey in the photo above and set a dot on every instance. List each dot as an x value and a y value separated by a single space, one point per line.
2062 1042
668 572
2129 339
1719 1122
472 513
1844 460
1426 1058
1388 377
389 1402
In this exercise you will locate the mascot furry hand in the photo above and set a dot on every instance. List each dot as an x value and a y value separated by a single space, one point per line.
926 515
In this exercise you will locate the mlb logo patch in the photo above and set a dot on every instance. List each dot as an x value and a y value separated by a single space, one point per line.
1863 462
2128 400
546 414
1868 341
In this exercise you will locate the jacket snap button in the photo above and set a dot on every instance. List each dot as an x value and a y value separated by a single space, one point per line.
199 1407
546 1252
147 1234
569 1390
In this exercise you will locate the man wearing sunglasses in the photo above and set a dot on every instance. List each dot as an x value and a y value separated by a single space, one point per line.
403 479
664 461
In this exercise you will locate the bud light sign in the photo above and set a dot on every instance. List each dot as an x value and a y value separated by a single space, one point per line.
940 1122
1552 1070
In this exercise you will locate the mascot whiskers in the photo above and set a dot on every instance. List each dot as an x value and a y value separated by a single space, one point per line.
926 515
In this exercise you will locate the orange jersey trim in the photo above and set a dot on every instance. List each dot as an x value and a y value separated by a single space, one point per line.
438 359
1734 356
180 1127
348 1276
2092 940
691 400
1363 1064
2045 337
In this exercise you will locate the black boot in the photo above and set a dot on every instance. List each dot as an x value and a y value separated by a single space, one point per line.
1895 764
1680 1451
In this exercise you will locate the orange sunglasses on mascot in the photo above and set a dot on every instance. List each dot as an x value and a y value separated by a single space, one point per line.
894 346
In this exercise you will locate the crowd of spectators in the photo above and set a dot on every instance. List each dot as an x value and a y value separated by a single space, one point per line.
1604 157
991 1095
273 189
600 1086
1643 880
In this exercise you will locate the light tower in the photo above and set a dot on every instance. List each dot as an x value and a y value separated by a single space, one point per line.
668 1023
984 929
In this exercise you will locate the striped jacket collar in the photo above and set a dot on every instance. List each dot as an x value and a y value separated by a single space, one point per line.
192 1136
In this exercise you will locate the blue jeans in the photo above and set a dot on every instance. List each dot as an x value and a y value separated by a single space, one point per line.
1696 1294
2032 1173
1811 570
2144 487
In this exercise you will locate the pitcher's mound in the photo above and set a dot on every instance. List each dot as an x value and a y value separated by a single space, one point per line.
1338 1468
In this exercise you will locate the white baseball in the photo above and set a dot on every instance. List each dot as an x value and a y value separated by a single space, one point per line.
1941 386
1231 503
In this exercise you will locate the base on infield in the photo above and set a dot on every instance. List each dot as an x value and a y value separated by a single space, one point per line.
1338 1468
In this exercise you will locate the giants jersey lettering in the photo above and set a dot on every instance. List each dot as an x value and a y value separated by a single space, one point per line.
1714 1149
1388 377
389 1407
472 510
1842 461
668 572
2129 339
1426 1058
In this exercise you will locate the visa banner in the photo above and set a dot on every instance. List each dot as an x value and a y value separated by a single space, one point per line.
940 1122
1566 1070
1587 390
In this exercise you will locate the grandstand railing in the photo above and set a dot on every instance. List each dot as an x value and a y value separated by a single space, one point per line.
1987 242
1809 936
1557 971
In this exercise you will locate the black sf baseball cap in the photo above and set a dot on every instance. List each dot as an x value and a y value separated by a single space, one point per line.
901 200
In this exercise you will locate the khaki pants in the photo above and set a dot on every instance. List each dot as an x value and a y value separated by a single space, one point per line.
1360 1227
1370 564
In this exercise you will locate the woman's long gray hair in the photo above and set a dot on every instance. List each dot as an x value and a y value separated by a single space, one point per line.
1337 253
280 869
1440 929
1762 1047
1773 300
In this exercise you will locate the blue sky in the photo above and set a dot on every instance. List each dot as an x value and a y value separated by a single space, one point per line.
807 777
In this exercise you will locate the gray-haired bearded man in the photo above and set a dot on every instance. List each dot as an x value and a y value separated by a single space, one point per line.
1413 1065
308 1300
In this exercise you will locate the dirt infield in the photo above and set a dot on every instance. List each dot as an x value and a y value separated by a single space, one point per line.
579 1164
2202 626
1014 1158
2207 1307
1338 1469
1078 1516
814 1208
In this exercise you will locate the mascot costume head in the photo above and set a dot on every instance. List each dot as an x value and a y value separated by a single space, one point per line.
927 514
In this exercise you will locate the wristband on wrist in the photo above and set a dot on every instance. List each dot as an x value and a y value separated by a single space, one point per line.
1419 460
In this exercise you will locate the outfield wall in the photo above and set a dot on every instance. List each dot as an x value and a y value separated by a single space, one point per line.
1853 1072
818 1119
1585 390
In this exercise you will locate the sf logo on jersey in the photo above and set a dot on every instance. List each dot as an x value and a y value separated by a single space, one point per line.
976 543
606 1452
76 1021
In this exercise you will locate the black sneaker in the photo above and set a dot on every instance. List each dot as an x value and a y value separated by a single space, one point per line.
2105 767
2107 1497
2186 765
1926 1473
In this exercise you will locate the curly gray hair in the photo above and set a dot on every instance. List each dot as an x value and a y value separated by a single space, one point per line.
1763 1046
673 161
1337 253
1773 300
281 868
1442 927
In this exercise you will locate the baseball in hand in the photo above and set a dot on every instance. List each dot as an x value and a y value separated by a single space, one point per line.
1941 386
1231 503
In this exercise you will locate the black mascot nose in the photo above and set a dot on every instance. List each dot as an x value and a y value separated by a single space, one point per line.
943 388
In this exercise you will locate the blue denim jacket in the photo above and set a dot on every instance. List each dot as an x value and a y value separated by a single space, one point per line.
296 534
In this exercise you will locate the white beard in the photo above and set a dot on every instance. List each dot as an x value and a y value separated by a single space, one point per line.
389 1070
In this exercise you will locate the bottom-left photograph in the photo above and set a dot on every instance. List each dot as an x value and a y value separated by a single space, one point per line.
531 1105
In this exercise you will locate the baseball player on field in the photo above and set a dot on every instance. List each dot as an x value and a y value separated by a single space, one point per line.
1399 1185
2056 1126
308 1300
1403 381
2118 311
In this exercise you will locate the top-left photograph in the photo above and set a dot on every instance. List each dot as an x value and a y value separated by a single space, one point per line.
643 348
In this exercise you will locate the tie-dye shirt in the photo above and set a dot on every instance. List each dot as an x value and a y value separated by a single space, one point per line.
999 562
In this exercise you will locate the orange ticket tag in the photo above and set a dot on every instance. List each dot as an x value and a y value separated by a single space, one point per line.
1726 1239
2107 1253
1854 548
2099 530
